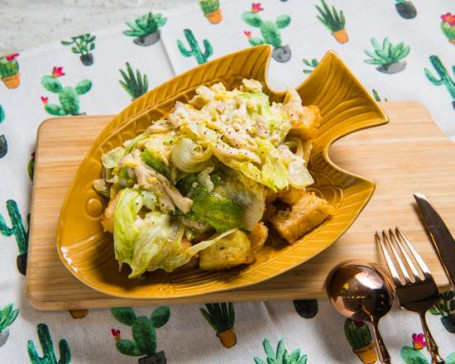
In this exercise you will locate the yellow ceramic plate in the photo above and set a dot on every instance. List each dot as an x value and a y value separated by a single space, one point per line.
345 106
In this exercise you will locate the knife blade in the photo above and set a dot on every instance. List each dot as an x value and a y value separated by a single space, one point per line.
441 237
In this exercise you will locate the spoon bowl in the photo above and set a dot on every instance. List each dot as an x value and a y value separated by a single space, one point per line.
361 291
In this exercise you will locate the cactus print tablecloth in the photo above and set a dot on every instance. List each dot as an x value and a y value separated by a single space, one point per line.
400 50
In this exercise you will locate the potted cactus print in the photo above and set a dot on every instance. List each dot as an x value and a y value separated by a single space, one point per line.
444 78
448 26
195 50
270 31
9 71
334 21
306 308
389 58
406 9
311 64
145 29
446 309
359 337
144 333
134 84
47 348
221 317
68 96
281 355
20 234
211 10
7 316
83 45
3 142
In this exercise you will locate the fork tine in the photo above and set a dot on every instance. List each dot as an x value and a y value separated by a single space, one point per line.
393 270
415 271
416 255
391 240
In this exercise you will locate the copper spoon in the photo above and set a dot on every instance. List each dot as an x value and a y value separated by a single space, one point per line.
362 292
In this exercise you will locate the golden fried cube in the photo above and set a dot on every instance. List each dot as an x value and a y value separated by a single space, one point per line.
309 212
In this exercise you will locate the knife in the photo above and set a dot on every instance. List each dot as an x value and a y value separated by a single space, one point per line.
441 238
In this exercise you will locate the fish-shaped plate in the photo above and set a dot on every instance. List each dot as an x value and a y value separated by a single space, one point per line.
88 252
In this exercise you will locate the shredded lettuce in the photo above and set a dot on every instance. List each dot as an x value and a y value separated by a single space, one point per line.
112 158
274 172
150 199
218 211
298 174
189 156
159 245
157 239
125 231
228 201
153 160
205 168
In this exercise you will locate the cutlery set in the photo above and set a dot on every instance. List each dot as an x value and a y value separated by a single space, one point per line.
361 291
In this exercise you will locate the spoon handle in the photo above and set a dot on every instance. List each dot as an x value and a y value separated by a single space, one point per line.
384 356
432 347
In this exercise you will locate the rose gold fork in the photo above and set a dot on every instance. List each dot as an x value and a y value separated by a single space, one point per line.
415 286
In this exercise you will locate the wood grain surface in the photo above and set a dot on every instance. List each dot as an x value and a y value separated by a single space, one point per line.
408 155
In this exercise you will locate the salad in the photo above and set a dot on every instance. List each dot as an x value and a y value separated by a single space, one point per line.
204 185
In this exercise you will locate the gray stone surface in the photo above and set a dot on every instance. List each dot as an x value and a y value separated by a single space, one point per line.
30 23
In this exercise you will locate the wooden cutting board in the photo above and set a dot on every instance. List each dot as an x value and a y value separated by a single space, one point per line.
410 154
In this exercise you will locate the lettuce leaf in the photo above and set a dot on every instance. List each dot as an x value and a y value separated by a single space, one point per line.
159 245
112 158
153 160
218 211
274 173
157 239
125 231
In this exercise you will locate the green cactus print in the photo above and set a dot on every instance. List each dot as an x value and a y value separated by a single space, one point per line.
376 96
451 358
281 356
135 84
3 142
20 234
7 316
357 333
145 29
448 26
444 78
209 6
82 44
68 96
143 331
270 31
445 308
47 348
359 338
9 71
211 10
195 50
414 354
221 317
411 355
311 64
